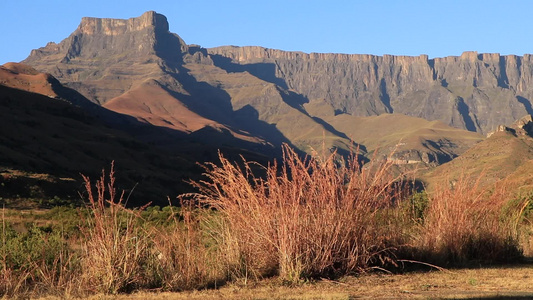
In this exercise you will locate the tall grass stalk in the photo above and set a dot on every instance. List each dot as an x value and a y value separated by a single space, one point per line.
309 217
114 248
182 259
59 277
466 223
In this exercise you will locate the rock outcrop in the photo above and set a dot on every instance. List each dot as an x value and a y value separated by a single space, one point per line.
523 126
104 58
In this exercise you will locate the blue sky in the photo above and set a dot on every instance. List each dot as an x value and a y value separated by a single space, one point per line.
436 28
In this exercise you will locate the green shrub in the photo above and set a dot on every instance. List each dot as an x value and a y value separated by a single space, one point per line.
417 206
21 250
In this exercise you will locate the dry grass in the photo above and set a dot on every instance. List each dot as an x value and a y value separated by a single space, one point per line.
123 252
183 260
465 223
11 281
509 282
309 218
305 219
114 248
60 277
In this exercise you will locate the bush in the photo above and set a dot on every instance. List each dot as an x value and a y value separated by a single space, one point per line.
124 249
314 218
182 257
465 223
114 248
417 206
39 257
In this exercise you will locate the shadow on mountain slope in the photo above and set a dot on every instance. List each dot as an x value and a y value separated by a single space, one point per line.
526 103
263 71
43 135
267 72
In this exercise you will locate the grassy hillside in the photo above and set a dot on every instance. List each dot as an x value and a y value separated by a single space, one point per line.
39 134
411 140
502 155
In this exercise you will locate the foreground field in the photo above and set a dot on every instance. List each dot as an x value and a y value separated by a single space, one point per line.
508 282
273 236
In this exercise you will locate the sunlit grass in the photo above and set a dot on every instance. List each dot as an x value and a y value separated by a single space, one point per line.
303 219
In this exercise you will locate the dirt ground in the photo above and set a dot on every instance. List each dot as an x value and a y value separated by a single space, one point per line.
506 282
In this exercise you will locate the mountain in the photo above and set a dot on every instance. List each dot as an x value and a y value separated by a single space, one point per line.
506 154
256 99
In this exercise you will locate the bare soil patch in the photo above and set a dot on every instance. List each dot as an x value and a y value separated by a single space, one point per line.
504 282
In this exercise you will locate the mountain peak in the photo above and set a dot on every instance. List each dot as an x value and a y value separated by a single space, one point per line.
91 26
111 39
100 46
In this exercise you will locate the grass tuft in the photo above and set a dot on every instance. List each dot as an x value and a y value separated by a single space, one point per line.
465 223
309 217
114 248
305 218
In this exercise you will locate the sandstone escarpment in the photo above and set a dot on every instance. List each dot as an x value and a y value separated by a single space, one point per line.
473 91
100 38
104 58
119 26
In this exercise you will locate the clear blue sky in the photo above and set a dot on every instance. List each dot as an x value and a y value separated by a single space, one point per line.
436 28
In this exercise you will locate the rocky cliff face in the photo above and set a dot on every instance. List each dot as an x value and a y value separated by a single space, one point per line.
522 127
104 58
474 91
267 97
104 39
